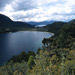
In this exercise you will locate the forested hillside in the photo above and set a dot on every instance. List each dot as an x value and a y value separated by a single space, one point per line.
57 57
6 24
55 27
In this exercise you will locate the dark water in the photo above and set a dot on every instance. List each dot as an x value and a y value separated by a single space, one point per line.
14 43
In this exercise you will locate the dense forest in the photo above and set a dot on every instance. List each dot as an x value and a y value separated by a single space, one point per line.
57 56
8 25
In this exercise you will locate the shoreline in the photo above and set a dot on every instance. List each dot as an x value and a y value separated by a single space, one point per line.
11 31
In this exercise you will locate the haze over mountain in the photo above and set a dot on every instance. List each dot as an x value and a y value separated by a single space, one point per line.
41 23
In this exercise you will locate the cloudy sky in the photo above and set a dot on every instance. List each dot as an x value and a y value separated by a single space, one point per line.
38 10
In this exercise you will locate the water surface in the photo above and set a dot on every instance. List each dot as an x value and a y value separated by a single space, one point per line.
14 43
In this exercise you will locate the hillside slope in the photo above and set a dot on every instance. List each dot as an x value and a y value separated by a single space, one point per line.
6 22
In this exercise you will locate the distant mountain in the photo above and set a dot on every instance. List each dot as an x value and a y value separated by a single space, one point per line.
41 23
6 22
72 21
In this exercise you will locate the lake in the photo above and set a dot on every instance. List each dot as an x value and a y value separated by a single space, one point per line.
14 43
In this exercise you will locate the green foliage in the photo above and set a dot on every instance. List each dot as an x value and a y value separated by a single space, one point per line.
38 51
22 56
48 64
14 69
30 62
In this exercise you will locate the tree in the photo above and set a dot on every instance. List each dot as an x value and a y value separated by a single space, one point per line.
30 62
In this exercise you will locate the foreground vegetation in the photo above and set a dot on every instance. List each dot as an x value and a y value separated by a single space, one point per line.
57 57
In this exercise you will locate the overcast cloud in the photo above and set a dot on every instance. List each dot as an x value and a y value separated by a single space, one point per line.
38 10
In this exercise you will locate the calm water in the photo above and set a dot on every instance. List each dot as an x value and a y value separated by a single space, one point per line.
14 43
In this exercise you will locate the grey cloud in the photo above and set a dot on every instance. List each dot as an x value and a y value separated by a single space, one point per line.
67 14
19 5
22 16
25 5
3 3
21 9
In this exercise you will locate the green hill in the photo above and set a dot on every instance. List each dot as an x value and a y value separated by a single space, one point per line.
7 23
65 37
55 27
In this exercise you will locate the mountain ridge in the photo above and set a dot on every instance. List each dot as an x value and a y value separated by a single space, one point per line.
6 22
